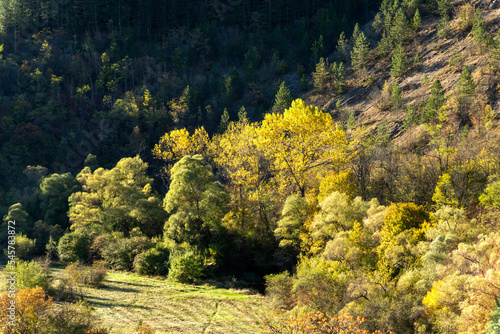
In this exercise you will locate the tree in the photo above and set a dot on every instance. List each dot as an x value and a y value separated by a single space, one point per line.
399 28
195 201
466 89
417 21
224 121
444 194
396 96
399 62
359 54
479 29
293 216
355 33
435 102
283 99
339 79
301 143
118 199
342 47
321 76
55 191
491 195
177 143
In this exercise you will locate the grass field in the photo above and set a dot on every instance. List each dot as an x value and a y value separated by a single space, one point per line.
168 307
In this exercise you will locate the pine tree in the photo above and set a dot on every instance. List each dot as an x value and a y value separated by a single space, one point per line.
317 49
399 62
410 119
478 29
242 115
399 28
466 86
436 101
342 47
321 76
224 121
396 96
351 122
383 136
303 84
355 34
417 21
283 99
360 52
339 79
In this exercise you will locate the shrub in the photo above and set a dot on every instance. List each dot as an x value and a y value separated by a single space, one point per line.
91 276
465 15
64 289
186 266
119 252
75 318
279 290
29 275
30 311
74 246
317 322
154 261
24 247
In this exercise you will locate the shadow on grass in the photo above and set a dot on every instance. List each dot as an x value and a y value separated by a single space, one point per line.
113 304
118 288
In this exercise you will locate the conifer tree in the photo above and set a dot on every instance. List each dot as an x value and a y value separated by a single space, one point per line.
283 99
436 101
399 62
360 52
410 119
351 122
399 28
321 76
242 115
478 29
417 21
342 47
396 96
303 84
466 86
224 121
355 34
339 79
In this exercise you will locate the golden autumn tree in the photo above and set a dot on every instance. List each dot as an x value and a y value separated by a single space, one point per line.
302 143
178 143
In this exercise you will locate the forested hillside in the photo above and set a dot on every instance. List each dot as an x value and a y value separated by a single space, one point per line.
341 157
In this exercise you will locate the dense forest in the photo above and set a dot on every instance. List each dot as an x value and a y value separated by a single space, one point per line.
348 171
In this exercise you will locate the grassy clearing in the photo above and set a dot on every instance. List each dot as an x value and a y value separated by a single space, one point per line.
169 307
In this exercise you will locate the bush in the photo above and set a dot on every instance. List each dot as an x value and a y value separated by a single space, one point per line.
465 15
24 247
30 311
119 252
74 246
64 289
186 266
29 275
91 276
279 290
154 261
75 318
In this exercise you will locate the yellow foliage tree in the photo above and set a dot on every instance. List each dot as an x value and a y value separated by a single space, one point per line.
303 143
178 143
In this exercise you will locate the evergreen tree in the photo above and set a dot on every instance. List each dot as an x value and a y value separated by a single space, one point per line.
399 29
303 84
399 62
360 52
224 121
342 47
417 21
355 34
283 99
466 86
321 76
339 79
242 115
351 122
410 118
478 29
317 49
436 101
396 96
383 136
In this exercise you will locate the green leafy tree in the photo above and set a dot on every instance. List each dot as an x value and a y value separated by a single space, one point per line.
195 201
55 191
399 62
491 195
118 199
294 215
359 54
283 99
